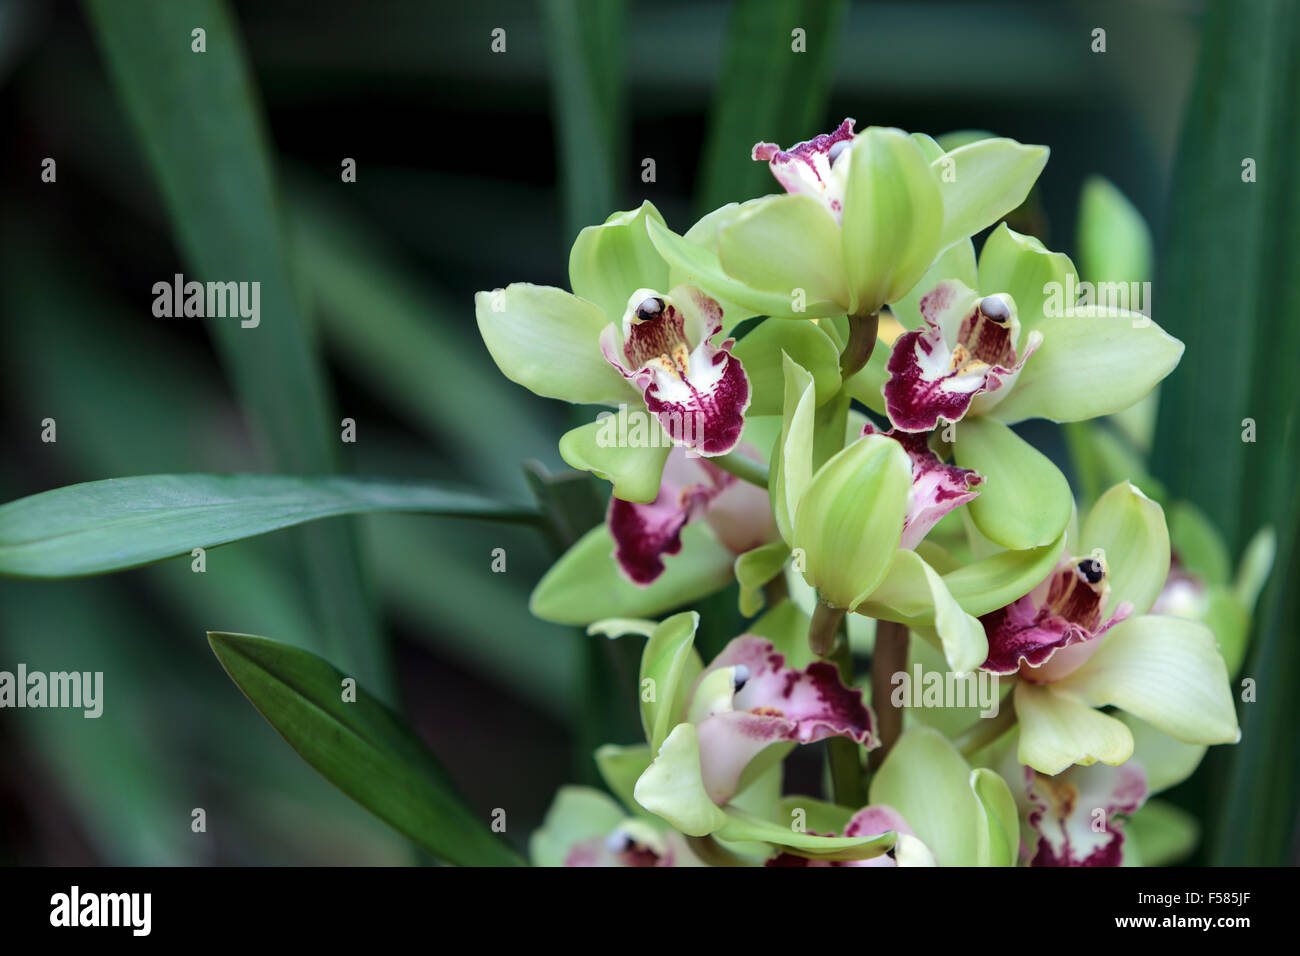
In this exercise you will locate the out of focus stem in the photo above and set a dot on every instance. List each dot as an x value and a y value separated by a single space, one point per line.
862 342
842 752
823 628
889 658
746 469
987 729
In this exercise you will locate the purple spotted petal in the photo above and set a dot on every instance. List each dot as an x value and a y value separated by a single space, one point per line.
698 391
816 168
965 348
776 704
644 534
1061 612
936 489
1077 814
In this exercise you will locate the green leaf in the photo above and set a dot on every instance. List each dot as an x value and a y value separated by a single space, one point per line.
586 42
360 746
548 341
119 523
983 181
585 584
760 351
203 135
1024 501
783 244
627 448
1162 833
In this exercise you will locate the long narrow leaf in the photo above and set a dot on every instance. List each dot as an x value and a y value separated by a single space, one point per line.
122 523
360 746
198 120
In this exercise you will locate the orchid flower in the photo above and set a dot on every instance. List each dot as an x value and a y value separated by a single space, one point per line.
1083 639
584 827
691 488
863 218
1078 815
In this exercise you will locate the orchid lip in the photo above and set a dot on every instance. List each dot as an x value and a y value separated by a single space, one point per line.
966 349
699 392
1063 611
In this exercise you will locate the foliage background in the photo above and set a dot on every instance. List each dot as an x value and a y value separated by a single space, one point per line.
475 169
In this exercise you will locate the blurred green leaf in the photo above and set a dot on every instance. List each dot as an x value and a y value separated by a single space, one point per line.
360 746
1228 280
767 92
200 127
121 523
587 50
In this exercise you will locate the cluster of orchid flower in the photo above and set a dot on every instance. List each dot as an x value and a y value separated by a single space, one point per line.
741 365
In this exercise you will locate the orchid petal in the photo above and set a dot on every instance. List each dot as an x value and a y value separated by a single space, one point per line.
791 469
983 181
1025 501
1167 671
586 585
1023 267
999 839
784 244
547 340
1130 530
850 519
699 264
1066 809
627 448
1091 364
760 351
926 780
673 787
893 215
611 261
1057 729
957 261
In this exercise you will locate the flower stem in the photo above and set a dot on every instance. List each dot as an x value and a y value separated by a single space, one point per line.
821 632
986 730
862 342
843 753
890 658
746 469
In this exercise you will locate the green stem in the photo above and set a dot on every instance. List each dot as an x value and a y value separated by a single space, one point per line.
821 631
746 469
889 658
843 754
862 342
986 730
